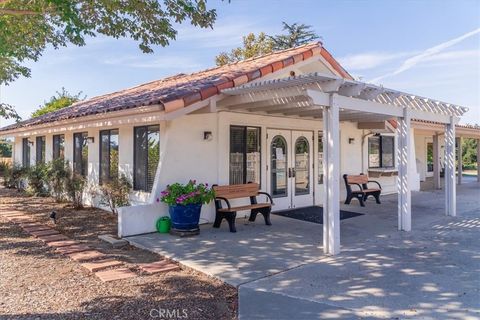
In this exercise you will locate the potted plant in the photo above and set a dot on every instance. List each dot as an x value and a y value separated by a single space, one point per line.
185 203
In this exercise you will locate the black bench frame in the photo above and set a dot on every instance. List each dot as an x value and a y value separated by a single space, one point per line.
361 195
231 213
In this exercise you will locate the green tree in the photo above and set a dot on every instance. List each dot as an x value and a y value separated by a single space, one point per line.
296 35
469 152
28 27
253 46
61 100
257 45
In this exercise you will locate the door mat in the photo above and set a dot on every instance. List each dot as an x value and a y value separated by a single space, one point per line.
313 214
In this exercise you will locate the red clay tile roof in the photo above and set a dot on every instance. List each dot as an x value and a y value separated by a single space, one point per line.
181 90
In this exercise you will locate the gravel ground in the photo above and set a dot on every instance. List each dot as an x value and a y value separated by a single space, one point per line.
36 283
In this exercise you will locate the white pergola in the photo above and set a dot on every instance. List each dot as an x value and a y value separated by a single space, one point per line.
333 99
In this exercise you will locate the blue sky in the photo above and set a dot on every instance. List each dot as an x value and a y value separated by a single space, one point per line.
372 39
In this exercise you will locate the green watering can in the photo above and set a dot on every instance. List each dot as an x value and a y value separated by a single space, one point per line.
163 225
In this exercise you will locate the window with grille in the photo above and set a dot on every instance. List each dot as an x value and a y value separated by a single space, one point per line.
245 154
40 150
58 146
80 153
108 155
25 153
146 156
381 152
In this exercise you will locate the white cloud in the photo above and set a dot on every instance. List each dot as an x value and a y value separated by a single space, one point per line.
455 56
426 54
370 60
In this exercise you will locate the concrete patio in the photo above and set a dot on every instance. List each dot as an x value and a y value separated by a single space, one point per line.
282 273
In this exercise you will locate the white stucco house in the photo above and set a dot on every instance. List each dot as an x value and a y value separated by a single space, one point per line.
254 120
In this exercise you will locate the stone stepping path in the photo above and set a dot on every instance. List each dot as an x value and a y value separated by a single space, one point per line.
36 228
86 255
12 213
115 274
158 266
98 265
73 249
63 243
105 268
44 233
52 238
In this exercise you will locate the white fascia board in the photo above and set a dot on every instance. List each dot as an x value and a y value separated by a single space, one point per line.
428 116
138 115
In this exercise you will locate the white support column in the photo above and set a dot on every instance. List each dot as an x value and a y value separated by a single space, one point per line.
450 187
478 160
331 172
403 181
436 162
459 161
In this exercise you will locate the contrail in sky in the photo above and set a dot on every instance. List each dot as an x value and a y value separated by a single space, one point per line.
413 61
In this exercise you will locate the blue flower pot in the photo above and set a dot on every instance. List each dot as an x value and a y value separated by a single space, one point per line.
185 217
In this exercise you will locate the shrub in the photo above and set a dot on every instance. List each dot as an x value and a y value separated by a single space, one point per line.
75 185
4 166
37 180
115 193
14 175
58 172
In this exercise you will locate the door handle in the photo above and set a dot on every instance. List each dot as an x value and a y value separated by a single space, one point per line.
293 173
289 172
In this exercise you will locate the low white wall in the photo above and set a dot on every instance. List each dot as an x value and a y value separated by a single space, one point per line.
139 219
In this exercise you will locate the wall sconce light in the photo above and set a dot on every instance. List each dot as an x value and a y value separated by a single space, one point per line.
30 142
90 139
351 140
207 135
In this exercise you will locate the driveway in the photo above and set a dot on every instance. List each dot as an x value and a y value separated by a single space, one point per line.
281 272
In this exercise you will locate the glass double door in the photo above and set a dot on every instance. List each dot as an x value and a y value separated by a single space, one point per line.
290 168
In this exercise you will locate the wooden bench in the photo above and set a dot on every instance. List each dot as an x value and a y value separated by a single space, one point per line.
229 192
363 192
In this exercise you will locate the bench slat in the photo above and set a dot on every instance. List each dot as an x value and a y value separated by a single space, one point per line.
246 207
360 179
237 191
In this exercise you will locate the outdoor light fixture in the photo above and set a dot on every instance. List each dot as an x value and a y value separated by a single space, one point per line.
30 142
351 140
90 139
207 135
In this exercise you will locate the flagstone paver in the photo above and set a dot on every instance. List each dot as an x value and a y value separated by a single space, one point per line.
86 255
55 237
19 219
13 215
158 266
44 233
115 274
36 228
98 265
63 243
30 224
73 248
